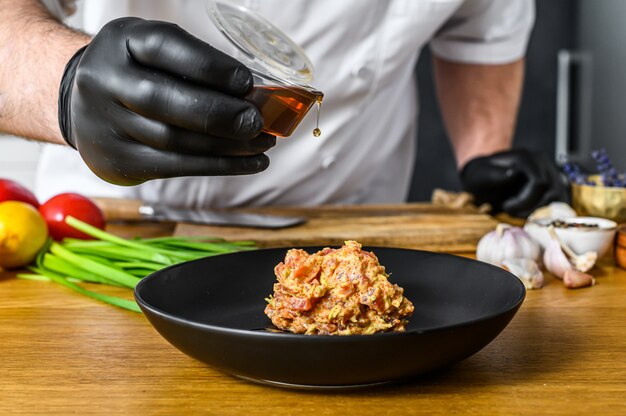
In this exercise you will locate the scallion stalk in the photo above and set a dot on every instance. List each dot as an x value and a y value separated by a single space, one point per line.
112 300
112 260
94 267
57 264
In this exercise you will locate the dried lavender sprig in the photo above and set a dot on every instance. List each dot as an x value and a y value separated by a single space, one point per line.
610 176
620 180
574 173
605 167
607 172
601 157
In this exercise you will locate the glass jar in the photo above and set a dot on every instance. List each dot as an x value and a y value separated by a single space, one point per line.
281 70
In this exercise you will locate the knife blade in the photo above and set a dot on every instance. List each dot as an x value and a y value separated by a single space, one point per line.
164 213
129 210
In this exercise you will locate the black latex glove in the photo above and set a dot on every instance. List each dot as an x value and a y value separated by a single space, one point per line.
515 181
147 100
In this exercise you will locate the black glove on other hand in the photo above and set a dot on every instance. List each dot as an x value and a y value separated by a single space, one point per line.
515 181
147 100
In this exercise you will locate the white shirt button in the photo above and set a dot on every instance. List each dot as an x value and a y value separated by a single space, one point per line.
328 161
362 72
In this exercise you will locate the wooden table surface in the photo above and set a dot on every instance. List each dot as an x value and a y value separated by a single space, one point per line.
564 353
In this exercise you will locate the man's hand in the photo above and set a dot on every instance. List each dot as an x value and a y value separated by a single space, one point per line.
147 100
515 181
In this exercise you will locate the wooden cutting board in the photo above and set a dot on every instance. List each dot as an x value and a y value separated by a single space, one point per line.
416 225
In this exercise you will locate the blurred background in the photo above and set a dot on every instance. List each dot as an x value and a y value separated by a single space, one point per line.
573 91
572 100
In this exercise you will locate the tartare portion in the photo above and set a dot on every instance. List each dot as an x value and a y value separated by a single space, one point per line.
342 291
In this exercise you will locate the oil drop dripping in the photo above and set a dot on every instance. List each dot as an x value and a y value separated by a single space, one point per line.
317 132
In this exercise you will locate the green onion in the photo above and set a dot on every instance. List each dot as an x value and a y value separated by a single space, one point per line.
57 264
140 273
124 253
138 265
35 277
116 261
98 233
40 278
94 267
112 300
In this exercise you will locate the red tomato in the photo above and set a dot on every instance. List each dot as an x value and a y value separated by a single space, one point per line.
13 191
58 207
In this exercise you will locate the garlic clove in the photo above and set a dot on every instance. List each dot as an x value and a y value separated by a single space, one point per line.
585 262
508 247
526 270
573 279
555 261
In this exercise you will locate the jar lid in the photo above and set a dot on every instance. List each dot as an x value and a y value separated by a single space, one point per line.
266 46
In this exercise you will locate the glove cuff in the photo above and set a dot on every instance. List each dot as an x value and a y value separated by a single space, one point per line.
65 95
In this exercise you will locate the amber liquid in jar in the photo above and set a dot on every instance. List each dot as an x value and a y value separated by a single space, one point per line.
283 107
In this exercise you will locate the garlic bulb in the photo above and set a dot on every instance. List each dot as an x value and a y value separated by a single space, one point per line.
526 270
506 242
555 260
553 211
574 279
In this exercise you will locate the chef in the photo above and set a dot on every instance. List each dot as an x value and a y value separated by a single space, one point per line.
145 97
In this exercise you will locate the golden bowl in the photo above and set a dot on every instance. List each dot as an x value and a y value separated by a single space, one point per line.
599 201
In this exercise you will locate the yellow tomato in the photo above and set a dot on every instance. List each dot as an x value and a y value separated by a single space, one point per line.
22 234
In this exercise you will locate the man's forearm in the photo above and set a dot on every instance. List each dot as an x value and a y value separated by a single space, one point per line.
479 104
34 48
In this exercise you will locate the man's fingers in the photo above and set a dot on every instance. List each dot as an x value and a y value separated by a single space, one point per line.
527 198
162 97
167 47
516 181
163 136
170 165
480 174
130 163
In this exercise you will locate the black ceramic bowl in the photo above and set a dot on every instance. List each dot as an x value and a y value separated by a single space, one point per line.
212 310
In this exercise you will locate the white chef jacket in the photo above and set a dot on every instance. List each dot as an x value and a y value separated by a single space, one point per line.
364 53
